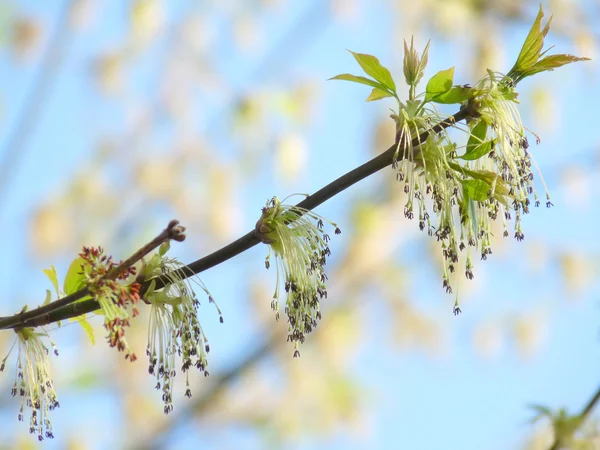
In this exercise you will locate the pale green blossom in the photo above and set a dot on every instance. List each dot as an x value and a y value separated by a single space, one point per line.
33 381
300 245
174 330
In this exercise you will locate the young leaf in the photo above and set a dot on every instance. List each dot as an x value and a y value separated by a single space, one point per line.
456 94
414 67
541 411
374 69
552 62
53 277
532 48
358 79
476 146
439 84
89 330
74 278
48 297
529 62
378 94
478 151
164 248
476 189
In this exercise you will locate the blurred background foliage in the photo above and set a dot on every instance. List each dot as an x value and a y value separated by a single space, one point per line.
117 116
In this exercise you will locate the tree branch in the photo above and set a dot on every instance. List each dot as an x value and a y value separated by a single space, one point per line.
66 307
583 415
43 315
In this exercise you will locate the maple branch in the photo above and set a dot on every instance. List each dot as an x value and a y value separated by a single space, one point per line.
66 307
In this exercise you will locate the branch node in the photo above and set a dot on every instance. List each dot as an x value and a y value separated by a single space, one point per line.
175 231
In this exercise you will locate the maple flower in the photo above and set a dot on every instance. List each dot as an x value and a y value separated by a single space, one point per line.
300 245
118 301
33 381
174 329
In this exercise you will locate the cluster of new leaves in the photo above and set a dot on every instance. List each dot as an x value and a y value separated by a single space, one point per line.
564 426
174 328
301 249
466 187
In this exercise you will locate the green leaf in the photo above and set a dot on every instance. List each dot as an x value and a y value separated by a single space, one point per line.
478 134
48 297
532 48
164 248
374 69
414 67
439 84
74 280
89 330
378 94
552 62
456 94
541 411
53 277
358 79
529 62
477 146
479 150
476 189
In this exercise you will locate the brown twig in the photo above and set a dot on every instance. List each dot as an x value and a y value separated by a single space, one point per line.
43 315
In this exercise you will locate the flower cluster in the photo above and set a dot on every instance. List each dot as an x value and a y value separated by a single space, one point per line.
301 250
492 178
118 301
174 328
33 381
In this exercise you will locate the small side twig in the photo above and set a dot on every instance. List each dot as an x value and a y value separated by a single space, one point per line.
43 315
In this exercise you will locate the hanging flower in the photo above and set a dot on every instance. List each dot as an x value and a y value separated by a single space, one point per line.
33 381
118 301
301 249
174 328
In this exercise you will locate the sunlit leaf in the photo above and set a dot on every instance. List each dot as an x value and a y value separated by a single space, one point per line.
53 277
378 94
477 146
74 279
479 150
455 95
529 62
553 61
541 411
477 189
532 48
48 297
89 330
359 79
372 67
439 84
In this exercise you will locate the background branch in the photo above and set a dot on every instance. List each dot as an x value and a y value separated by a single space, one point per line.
583 416
15 147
